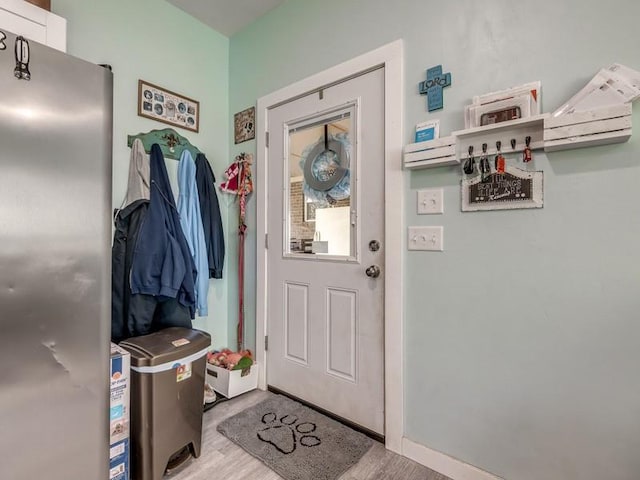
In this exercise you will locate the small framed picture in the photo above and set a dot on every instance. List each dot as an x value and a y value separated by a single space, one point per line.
245 125
309 213
165 106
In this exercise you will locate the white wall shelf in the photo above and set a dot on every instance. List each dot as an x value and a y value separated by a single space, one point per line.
433 153
455 148
530 122
588 129
583 129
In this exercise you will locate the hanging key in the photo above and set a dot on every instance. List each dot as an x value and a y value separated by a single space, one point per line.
485 167
470 164
499 160
527 155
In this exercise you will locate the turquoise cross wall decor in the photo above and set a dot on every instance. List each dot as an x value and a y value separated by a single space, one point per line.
432 87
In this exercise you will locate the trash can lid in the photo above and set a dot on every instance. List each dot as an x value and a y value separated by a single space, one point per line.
165 346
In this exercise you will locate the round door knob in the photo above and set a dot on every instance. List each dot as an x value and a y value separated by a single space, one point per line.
373 271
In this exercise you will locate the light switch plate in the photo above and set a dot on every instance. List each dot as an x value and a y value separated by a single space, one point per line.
430 202
426 238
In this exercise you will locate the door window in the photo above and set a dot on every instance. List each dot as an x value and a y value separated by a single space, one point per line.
320 198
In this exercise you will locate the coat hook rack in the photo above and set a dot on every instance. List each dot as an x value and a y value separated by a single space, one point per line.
171 142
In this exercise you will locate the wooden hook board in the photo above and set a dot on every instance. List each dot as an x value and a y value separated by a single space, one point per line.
170 141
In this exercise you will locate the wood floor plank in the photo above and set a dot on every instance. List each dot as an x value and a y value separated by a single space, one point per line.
221 458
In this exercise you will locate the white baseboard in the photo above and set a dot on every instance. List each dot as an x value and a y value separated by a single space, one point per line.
444 464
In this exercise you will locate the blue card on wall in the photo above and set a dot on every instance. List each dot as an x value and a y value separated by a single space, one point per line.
426 131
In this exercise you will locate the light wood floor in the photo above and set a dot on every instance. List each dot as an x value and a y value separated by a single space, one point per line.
222 459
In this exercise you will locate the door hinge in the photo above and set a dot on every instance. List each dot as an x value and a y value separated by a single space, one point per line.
266 138
266 240
266 343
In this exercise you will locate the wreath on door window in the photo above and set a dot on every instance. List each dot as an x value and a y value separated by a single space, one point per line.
325 165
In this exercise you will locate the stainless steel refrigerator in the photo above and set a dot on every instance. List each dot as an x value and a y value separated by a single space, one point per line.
55 229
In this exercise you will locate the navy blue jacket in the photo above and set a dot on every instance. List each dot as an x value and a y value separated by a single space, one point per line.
210 212
162 264
127 226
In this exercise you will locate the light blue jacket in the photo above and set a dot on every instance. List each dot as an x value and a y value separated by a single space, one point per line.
191 222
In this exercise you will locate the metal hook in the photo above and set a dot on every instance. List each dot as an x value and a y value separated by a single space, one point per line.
326 137
3 37
513 143
527 141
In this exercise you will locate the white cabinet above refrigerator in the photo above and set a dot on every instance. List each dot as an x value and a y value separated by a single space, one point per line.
33 23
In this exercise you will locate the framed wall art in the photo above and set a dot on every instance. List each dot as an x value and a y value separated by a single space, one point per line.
165 106
515 188
309 213
245 125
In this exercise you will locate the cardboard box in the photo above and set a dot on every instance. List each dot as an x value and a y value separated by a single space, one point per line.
119 461
46 4
231 383
119 414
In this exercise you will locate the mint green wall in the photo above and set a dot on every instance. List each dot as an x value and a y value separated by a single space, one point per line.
154 41
522 338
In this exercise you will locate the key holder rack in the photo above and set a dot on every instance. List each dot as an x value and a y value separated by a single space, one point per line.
511 136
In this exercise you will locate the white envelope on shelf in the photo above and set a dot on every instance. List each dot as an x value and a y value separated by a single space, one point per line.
612 86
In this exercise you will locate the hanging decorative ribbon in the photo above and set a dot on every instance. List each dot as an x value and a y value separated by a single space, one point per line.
240 183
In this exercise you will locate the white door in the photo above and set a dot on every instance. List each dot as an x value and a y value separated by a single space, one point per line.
325 222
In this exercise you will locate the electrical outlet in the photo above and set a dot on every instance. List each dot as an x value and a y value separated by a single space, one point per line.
430 202
426 238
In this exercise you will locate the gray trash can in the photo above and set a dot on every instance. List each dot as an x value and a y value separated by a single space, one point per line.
167 391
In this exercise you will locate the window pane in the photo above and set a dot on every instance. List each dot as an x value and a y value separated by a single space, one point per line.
321 169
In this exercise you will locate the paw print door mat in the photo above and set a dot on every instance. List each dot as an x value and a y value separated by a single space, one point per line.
295 441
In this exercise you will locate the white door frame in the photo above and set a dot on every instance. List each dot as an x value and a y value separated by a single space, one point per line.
391 56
